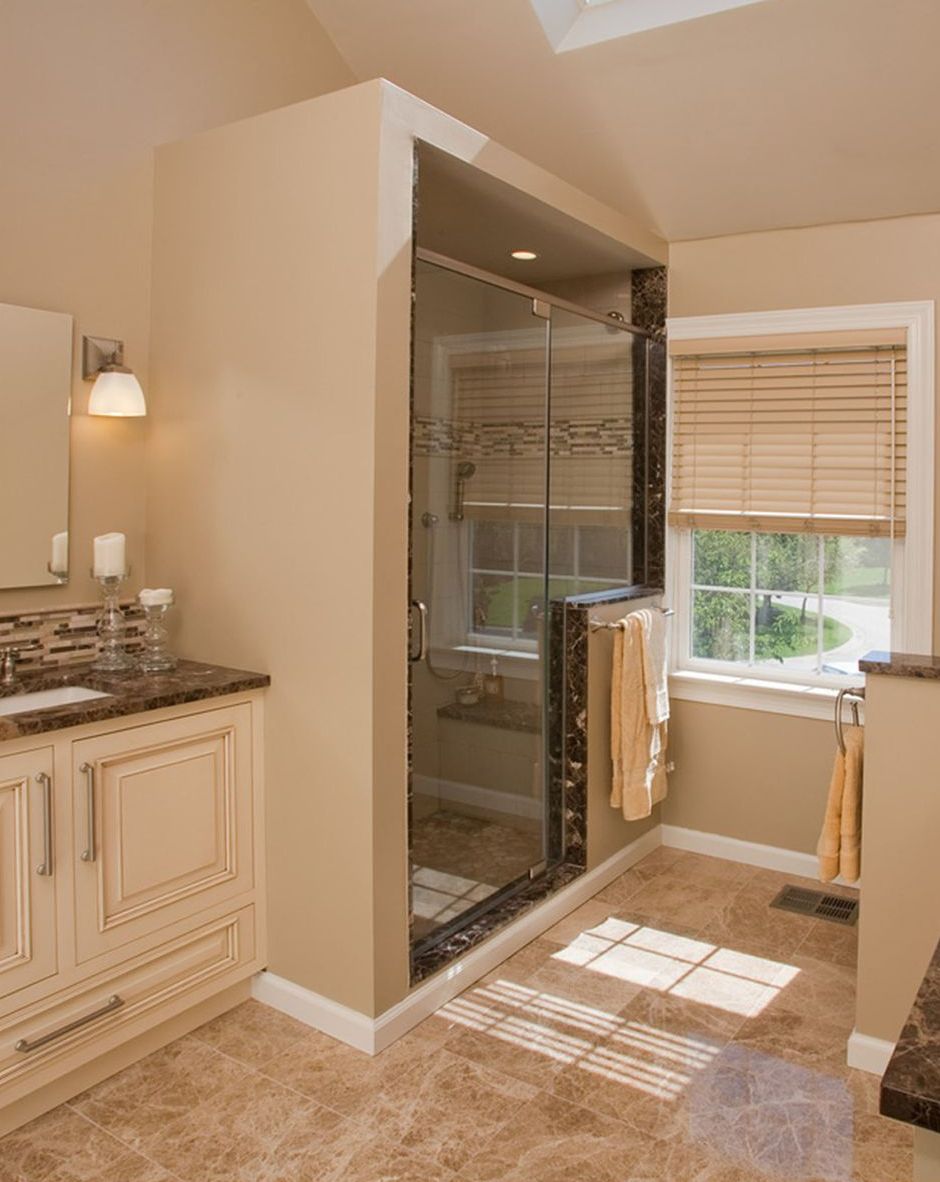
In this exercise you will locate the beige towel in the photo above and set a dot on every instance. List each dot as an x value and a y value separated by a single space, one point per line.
655 678
637 746
839 847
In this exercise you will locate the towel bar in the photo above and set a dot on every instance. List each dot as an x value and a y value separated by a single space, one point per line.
613 625
857 692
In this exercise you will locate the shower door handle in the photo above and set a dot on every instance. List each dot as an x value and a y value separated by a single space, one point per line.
422 649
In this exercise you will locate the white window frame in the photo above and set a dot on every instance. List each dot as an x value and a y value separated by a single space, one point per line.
912 561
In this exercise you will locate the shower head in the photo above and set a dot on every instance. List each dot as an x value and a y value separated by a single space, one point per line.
464 470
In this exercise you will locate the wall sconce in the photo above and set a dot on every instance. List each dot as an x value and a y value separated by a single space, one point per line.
116 391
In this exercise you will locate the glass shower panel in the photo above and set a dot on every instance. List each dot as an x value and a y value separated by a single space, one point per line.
478 568
591 456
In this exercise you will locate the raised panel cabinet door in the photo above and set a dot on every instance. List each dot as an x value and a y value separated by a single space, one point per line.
27 870
163 825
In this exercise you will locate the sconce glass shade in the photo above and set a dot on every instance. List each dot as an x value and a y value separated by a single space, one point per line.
117 392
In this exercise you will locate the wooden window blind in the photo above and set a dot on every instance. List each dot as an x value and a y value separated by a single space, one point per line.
800 434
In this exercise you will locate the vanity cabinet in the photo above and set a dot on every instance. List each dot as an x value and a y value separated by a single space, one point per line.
163 821
131 890
27 897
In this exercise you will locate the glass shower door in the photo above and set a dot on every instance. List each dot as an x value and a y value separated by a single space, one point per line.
479 581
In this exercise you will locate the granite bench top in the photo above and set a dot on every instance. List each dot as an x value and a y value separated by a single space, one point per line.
910 1087
901 664
130 693
504 713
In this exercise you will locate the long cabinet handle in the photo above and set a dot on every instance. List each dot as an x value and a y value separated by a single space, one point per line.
88 853
24 1045
45 867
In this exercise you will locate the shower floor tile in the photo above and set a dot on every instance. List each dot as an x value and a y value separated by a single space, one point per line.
460 860
678 1046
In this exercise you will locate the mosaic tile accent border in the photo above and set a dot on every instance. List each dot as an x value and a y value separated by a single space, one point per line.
63 636
587 437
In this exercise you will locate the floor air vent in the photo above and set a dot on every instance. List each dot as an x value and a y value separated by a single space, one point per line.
818 904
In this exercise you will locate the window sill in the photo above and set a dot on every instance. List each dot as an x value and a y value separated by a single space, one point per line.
750 693
471 658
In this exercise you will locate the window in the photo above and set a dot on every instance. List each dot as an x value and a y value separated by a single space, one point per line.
506 561
800 496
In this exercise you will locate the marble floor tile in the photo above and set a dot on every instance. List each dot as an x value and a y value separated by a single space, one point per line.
252 1033
549 1140
62 1140
746 923
142 1099
446 1109
833 942
227 1136
672 1029
340 1077
681 900
797 1038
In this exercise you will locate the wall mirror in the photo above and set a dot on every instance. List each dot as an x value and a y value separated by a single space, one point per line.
35 387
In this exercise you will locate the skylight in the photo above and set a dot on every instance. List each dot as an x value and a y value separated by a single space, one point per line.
574 24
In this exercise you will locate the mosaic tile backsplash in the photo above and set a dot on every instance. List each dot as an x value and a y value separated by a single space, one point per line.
63 636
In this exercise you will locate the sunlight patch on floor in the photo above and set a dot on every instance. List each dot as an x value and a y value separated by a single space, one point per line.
691 969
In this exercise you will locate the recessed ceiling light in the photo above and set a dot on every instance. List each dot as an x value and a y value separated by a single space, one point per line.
525 255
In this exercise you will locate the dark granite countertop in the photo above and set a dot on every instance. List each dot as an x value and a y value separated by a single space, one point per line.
910 1088
130 693
612 595
901 664
505 713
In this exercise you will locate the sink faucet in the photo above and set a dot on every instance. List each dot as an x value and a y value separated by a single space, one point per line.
8 667
8 658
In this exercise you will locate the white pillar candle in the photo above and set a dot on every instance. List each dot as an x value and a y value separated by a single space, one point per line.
155 597
109 555
60 553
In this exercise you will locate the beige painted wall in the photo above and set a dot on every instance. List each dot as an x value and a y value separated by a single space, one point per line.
757 776
87 89
898 924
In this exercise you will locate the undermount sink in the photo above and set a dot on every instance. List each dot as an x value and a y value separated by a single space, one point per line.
63 695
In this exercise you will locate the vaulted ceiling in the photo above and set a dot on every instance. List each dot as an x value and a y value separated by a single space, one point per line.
779 113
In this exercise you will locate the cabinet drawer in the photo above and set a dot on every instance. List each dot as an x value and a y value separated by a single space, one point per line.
100 1014
163 825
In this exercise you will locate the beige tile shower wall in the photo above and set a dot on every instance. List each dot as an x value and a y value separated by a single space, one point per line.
763 777
87 91
263 487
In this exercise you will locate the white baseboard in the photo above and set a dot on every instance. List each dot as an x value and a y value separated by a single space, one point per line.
490 799
769 857
869 1054
375 1034
315 1010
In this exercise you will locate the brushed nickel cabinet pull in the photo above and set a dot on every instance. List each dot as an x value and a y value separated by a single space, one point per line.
88 853
113 1003
45 867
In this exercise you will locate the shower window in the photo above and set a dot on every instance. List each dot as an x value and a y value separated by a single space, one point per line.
506 587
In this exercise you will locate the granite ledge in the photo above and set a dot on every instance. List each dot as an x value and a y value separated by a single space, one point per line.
612 595
504 713
910 1087
132 693
901 665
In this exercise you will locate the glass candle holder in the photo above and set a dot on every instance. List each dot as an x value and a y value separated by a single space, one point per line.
112 657
156 657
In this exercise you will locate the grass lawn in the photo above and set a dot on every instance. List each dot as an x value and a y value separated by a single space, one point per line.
835 634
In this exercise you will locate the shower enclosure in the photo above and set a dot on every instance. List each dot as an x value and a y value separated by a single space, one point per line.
523 495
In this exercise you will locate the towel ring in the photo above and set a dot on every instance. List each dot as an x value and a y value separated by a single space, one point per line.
856 693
